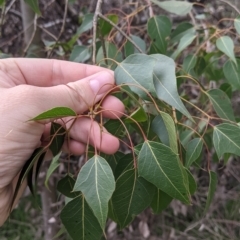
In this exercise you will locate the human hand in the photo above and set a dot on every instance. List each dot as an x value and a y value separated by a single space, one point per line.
29 87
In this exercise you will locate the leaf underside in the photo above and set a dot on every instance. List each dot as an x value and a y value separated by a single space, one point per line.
96 181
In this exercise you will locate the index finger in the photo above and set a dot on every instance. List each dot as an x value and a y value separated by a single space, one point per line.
47 72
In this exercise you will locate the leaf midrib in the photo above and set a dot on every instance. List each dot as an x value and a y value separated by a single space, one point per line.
163 171
171 95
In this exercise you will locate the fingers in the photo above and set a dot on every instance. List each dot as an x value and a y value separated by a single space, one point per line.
46 72
87 131
79 95
74 147
112 107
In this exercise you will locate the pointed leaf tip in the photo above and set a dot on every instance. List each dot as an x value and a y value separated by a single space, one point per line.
194 148
57 112
164 80
225 44
221 104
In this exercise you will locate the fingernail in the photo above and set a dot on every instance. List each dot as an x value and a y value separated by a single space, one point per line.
101 83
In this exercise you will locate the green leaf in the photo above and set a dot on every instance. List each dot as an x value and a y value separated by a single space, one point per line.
2 2
60 233
53 166
226 157
164 80
124 164
185 41
146 127
200 66
106 27
213 70
138 148
79 220
232 73
194 148
132 195
114 127
139 42
65 186
153 49
160 201
189 63
113 159
227 88
30 182
192 182
38 154
129 47
159 165
58 133
58 112
136 70
140 70
112 52
226 139
80 54
177 7
237 24
226 45
185 136
159 28
111 213
163 125
221 104
33 174
87 23
181 30
96 181
211 189
139 115
34 6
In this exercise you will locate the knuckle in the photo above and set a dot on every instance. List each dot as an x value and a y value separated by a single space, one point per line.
77 95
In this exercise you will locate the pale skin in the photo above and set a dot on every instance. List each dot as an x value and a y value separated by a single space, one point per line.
29 87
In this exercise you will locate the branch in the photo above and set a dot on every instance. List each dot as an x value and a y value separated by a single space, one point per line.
233 6
95 18
62 27
151 14
121 31
2 19
33 35
9 6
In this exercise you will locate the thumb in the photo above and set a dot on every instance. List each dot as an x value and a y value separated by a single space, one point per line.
78 95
